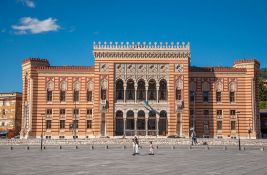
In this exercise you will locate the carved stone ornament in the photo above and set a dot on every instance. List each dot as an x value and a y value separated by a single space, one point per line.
179 84
50 86
76 86
179 68
63 86
219 87
104 84
192 86
232 87
103 67
205 86
90 86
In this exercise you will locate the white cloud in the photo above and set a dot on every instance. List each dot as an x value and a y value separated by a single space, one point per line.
28 3
34 26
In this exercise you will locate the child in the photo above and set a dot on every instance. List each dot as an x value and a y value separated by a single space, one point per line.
151 148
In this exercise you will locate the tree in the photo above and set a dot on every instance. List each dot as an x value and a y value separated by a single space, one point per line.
263 91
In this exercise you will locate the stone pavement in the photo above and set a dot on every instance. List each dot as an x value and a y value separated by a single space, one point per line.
117 160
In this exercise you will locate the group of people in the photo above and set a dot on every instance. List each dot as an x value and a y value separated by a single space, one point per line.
136 146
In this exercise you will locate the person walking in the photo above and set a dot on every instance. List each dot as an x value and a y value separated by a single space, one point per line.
151 148
136 145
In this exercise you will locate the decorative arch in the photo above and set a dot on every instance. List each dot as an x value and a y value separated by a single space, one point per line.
163 123
152 91
219 87
63 85
130 120
141 122
163 92
232 87
119 89
49 89
76 91
205 86
119 123
130 91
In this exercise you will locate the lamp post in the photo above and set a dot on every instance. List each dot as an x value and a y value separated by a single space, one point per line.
42 131
239 144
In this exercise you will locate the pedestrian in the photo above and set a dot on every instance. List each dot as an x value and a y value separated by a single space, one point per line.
136 145
151 148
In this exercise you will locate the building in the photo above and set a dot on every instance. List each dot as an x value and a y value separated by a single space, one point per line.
145 89
10 111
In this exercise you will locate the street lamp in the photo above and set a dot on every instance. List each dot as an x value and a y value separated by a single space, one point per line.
239 144
42 131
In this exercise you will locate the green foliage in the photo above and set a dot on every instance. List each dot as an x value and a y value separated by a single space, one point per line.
263 105
263 91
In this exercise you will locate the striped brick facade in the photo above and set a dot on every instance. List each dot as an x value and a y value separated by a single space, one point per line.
122 106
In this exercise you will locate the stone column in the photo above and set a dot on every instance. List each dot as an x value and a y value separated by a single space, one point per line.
157 94
157 125
124 93
135 123
135 94
124 124
146 121
146 92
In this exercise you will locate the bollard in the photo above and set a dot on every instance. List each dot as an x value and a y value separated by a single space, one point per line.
76 147
207 148
224 148
28 147
106 146
262 149
157 147
60 147
11 148
92 147
44 147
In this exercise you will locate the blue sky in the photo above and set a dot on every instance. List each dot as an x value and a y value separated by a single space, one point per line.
63 31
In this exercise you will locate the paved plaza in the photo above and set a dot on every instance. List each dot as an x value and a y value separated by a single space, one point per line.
118 160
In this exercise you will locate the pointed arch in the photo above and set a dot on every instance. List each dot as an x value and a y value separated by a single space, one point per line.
163 92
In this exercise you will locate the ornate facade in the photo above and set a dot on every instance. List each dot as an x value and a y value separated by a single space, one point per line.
145 89
10 111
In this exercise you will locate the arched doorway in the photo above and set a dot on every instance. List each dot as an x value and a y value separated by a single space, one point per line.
151 125
163 123
141 123
130 123
119 123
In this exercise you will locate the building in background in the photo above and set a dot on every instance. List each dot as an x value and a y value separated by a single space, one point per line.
10 112
144 89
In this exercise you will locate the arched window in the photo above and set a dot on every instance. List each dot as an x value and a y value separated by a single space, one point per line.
141 122
63 88
179 88
219 88
76 91
119 90
130 120
192 93
104 87
50 88
232 92
151 120
151 93
163 122
119 123
141 90
130 92
163 90
205 91
90 87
